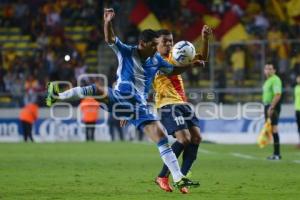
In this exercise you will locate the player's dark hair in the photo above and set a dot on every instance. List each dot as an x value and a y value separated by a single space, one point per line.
148 35
163 32
271 63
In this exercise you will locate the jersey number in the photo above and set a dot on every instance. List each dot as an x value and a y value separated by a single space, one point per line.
179 120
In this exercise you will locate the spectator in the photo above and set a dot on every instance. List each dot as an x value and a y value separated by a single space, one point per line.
54 25
283 57
261 23
17 90
9 57
80 69
28 116
9 79
42 40
52 16
274 37
2 74
21 13
31 87
89 108
114 125
238 65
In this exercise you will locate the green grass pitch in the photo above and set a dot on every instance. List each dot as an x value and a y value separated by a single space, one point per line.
126 171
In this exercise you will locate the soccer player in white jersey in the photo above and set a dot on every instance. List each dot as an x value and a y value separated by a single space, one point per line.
137 68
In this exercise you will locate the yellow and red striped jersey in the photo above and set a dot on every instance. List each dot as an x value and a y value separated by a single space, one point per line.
168 89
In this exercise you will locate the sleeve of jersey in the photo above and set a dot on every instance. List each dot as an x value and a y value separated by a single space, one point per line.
165 66
119 47
277 86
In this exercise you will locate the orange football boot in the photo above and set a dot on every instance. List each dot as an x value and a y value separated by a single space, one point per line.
163 183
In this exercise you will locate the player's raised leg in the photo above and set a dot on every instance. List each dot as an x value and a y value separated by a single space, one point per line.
76 93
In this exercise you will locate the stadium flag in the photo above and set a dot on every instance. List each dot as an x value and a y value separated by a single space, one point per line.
230 30
279 10
265 135
229 20
211 21
293 10
196 7
235 34
143 17
193 33
241 3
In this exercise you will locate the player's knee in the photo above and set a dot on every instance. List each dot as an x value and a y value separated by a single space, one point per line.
99 90
184 140
275 129
183 136
154 131
196 139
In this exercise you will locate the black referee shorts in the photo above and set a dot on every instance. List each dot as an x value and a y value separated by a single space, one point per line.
275 116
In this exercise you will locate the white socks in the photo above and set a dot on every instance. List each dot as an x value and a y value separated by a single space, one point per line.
77 93
169 159
71 94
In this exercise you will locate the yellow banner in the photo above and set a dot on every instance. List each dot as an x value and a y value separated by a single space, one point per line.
150 22
211 21
235 34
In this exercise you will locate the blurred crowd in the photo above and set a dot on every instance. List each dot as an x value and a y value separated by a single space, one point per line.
45 21
238 65
279 39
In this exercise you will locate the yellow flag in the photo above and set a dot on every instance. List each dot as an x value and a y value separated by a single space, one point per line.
211 21
149 22
265 135
235 34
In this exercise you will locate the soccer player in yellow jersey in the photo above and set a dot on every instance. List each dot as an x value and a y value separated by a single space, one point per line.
176 115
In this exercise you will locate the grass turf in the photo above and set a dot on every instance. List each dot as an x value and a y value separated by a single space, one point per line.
127 170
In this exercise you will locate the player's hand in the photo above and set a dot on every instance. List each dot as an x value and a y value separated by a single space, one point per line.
206 32
109 14
270 112
198 63
123 123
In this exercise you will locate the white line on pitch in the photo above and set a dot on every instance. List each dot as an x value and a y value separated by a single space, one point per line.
296 161
239 155
206 151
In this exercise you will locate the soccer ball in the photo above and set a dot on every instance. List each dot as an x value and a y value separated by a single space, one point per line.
183 53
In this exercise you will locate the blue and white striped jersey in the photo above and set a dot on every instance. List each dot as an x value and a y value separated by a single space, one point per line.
135 76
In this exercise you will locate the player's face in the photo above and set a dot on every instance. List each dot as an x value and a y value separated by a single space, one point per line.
269 70
165 44
298 79
150 47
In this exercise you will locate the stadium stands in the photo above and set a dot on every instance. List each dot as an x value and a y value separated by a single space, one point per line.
53 29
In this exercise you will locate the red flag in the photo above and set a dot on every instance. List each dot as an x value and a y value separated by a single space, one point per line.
229 20
194 31
196 7
139 12
242 3
142 17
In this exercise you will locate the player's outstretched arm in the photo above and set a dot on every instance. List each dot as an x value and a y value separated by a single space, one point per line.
170 69
109 35
179 70
206 32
